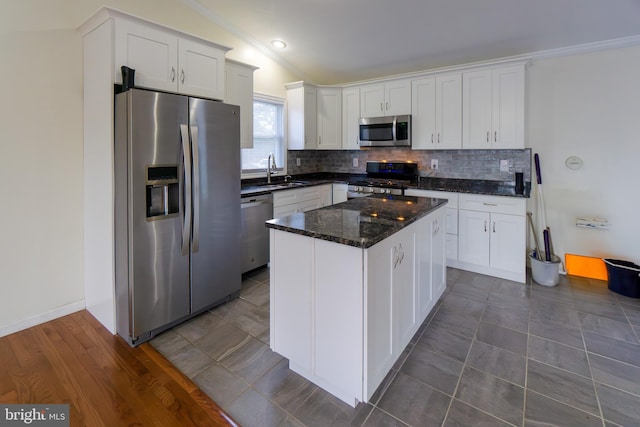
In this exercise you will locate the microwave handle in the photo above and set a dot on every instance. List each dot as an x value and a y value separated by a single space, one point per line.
393 129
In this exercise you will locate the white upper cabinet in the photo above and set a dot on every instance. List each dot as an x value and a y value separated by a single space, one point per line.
165 60
329 118
391 98
350 118
239 91
493 108
436 109
303 116
201 69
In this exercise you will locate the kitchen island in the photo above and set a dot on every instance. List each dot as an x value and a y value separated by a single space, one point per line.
351 284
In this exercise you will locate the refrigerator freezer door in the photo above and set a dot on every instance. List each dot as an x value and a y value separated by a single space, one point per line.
215 266
159 273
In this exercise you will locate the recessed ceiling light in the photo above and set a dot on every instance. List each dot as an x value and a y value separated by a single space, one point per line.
279 44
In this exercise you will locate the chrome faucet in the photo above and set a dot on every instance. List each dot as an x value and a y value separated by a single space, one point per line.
271 165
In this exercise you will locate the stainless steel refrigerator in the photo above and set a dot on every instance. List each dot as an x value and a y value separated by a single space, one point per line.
177 209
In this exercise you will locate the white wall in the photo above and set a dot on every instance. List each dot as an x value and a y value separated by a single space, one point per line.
588 105
41 188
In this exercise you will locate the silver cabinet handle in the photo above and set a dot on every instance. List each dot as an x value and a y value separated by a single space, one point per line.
438 137
186 159
495 136
182 76
494 226
173 74
196 190
319 139
485 226
489 204
488 136
387 106
432 138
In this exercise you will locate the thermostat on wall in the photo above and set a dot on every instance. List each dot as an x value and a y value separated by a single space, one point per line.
573 162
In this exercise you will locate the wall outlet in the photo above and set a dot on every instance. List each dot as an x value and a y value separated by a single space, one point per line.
298 161
355 162
504 165
434 164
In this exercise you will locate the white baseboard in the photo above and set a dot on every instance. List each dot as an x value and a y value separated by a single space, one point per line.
41 318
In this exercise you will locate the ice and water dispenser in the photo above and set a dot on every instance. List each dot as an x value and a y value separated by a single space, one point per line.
162 191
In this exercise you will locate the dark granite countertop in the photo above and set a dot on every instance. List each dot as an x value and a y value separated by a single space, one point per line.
256 187
473 186
361 222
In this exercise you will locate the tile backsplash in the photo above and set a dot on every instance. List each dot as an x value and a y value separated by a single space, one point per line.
461 164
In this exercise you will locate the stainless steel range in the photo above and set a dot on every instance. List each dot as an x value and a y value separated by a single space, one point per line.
391 177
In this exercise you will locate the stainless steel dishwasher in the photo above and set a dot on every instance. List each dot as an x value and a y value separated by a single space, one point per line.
254 211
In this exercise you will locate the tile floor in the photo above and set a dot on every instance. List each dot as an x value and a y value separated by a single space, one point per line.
492 353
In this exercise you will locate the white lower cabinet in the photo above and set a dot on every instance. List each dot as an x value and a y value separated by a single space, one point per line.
492 236
339 193
451 223
484 234
287 202
343 315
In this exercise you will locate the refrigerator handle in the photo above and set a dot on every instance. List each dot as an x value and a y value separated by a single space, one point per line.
186 156
195 244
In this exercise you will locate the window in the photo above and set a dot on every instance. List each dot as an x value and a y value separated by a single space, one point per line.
268 136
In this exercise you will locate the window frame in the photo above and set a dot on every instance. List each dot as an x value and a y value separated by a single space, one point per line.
281 169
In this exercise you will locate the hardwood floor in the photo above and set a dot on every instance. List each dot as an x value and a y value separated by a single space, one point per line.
75 360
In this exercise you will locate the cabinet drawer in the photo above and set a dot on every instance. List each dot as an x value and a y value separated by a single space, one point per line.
451 197
497 204
287 197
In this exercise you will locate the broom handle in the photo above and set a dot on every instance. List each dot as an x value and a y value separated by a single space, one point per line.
535 237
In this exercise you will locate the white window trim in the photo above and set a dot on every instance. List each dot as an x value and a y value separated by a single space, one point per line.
275 99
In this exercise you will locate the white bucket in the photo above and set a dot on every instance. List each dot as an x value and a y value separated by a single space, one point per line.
545 273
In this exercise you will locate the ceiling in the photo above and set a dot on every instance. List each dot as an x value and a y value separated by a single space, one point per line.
339 41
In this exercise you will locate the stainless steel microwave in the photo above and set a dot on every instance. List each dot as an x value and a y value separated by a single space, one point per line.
392 131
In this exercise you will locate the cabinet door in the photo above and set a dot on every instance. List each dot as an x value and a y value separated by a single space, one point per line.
310 117
449 112
476 109
339 193
423 111
201 69
372 100
508 242
239 91
403 287
451 246
397 98
424 267
152 53
473 237
508 108
326 195
329 119
350 117
438 266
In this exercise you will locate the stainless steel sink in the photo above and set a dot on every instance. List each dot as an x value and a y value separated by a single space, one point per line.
281 185
276 186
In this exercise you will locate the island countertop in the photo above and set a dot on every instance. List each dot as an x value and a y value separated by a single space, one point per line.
361 222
